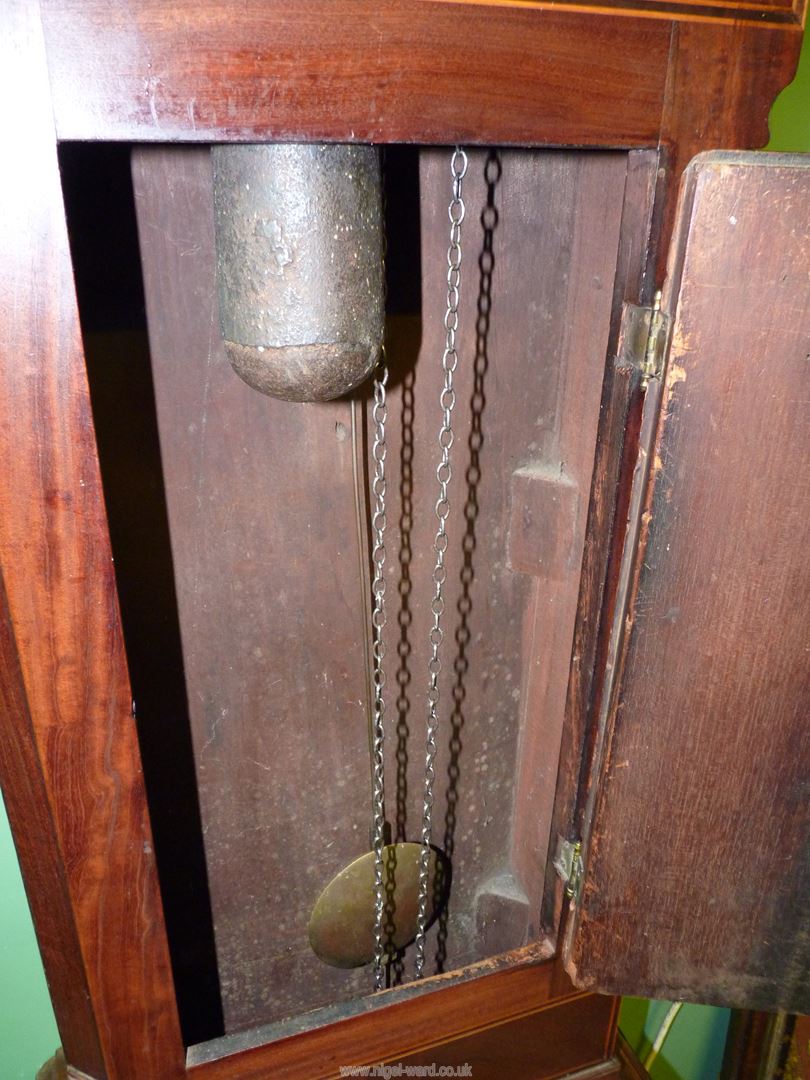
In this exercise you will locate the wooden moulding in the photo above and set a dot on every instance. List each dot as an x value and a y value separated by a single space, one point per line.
615 453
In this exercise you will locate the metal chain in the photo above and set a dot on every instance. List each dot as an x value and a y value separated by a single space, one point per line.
378 522
447 399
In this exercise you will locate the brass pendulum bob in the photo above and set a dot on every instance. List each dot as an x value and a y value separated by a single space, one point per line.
342 924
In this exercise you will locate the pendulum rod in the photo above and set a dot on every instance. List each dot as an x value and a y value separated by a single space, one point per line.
447 400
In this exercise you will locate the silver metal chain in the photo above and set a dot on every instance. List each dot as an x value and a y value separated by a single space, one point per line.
447 400
379 416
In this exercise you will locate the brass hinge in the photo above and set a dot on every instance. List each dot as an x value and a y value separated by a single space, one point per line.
569 866
655 351
644 338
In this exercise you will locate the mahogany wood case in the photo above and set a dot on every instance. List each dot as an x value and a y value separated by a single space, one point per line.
630 669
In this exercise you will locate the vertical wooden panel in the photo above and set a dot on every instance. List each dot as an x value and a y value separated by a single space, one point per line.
70 710
698 878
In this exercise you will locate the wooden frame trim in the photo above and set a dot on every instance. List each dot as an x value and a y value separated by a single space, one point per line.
571 77
70 717
424 1021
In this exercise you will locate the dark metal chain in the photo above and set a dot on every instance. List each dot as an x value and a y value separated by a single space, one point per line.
447 400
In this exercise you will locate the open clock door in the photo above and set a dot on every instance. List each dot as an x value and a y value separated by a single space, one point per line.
696 878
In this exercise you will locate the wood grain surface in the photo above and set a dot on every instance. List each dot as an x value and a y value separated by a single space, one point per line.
417 71
354 70
25 796
698 876
265 553
71 768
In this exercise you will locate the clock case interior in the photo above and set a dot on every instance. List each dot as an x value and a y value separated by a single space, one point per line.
238 561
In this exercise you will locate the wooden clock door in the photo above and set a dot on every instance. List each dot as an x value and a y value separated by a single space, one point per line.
697 870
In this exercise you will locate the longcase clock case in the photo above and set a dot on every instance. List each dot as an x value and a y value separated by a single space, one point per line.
621 781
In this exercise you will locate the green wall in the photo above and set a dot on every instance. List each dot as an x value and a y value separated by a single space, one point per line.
693 1050
790 115
28 1034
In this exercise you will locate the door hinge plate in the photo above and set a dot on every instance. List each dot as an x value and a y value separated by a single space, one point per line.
569 866
644 338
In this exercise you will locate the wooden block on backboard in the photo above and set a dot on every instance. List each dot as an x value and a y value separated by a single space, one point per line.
542 522
502 913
